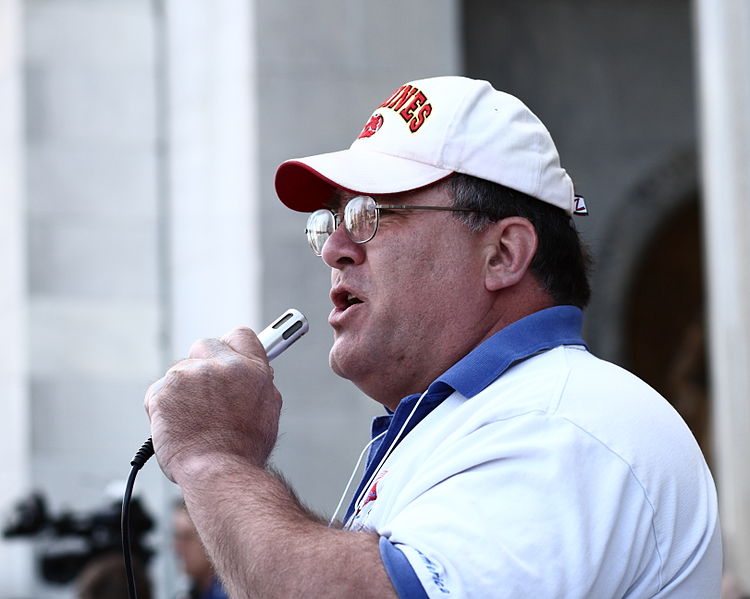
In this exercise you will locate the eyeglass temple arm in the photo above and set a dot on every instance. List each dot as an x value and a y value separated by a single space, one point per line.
404 207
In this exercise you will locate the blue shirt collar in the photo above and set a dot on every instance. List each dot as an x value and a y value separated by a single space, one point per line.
538 332
533 334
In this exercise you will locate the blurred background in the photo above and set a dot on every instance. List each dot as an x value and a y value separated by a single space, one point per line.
138 144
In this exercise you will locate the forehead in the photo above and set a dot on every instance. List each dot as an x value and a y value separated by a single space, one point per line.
435 195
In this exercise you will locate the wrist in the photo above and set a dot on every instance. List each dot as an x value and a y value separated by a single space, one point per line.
208 468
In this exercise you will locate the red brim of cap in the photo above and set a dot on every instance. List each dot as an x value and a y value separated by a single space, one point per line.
307 184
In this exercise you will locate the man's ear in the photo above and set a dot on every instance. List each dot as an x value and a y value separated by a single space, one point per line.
511 246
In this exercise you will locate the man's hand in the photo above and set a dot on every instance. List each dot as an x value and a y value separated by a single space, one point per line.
214 421
218 402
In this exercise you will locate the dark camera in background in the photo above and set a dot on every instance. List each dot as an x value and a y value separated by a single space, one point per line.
69 541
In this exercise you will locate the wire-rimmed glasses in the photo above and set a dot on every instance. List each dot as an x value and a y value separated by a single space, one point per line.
361 218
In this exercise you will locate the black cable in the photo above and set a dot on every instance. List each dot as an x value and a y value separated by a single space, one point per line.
144 453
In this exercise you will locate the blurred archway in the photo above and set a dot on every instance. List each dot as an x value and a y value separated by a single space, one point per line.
664 321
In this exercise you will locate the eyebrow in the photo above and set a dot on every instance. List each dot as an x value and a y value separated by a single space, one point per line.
338 198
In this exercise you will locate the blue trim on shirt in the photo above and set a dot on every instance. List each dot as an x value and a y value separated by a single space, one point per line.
399 570
215 591
538 332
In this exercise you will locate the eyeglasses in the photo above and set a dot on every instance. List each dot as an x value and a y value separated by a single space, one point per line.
361 219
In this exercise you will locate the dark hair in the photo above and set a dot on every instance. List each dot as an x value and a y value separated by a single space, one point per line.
104 578
562 261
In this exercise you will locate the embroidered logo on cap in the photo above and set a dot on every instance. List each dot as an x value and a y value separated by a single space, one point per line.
411 104
375 123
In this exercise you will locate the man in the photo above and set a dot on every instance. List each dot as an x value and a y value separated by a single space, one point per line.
512 462
189 549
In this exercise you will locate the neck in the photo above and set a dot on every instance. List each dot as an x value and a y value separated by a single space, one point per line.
402 380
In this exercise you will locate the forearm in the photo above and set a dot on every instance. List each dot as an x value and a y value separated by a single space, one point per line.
264 544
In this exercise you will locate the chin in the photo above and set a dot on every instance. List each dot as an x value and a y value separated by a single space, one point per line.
344 362
335 362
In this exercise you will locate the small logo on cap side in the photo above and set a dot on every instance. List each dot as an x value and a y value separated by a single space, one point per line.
375 123
579 206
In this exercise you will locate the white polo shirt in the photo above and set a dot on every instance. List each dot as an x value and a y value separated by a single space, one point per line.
565 477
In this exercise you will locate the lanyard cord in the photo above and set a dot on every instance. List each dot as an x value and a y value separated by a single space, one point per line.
351 478
358 504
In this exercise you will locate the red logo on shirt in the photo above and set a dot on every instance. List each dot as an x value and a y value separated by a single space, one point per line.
372 494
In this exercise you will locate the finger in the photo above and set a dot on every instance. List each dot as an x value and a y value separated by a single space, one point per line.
153 389
245 342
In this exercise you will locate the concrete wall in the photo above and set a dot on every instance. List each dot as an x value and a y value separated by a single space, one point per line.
15 565
141 226
93 223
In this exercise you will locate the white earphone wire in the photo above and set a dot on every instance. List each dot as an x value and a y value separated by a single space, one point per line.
351 478
358 503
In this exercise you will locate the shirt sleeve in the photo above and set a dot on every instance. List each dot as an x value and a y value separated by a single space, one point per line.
400 571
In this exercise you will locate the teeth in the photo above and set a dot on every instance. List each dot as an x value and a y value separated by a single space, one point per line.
352 299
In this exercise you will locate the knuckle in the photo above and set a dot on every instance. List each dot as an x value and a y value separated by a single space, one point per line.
237 332
199 347
234 365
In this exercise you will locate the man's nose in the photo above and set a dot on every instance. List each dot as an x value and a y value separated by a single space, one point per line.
339 250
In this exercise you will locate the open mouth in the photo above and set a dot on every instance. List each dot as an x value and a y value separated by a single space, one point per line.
352 299
344 300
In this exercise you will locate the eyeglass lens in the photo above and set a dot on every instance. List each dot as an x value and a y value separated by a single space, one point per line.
320 226
360 221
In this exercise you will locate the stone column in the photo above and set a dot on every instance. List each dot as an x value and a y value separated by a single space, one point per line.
210 192
15 559
723 46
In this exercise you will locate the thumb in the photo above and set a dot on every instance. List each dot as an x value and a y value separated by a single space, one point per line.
245 342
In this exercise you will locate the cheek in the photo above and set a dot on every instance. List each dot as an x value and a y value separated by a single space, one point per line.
422 269
415 266
427 272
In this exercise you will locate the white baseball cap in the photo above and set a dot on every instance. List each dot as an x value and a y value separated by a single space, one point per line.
426 131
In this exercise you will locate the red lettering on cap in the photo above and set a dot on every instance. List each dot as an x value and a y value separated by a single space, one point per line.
408 101
403 97
392 97
420 118
407 113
